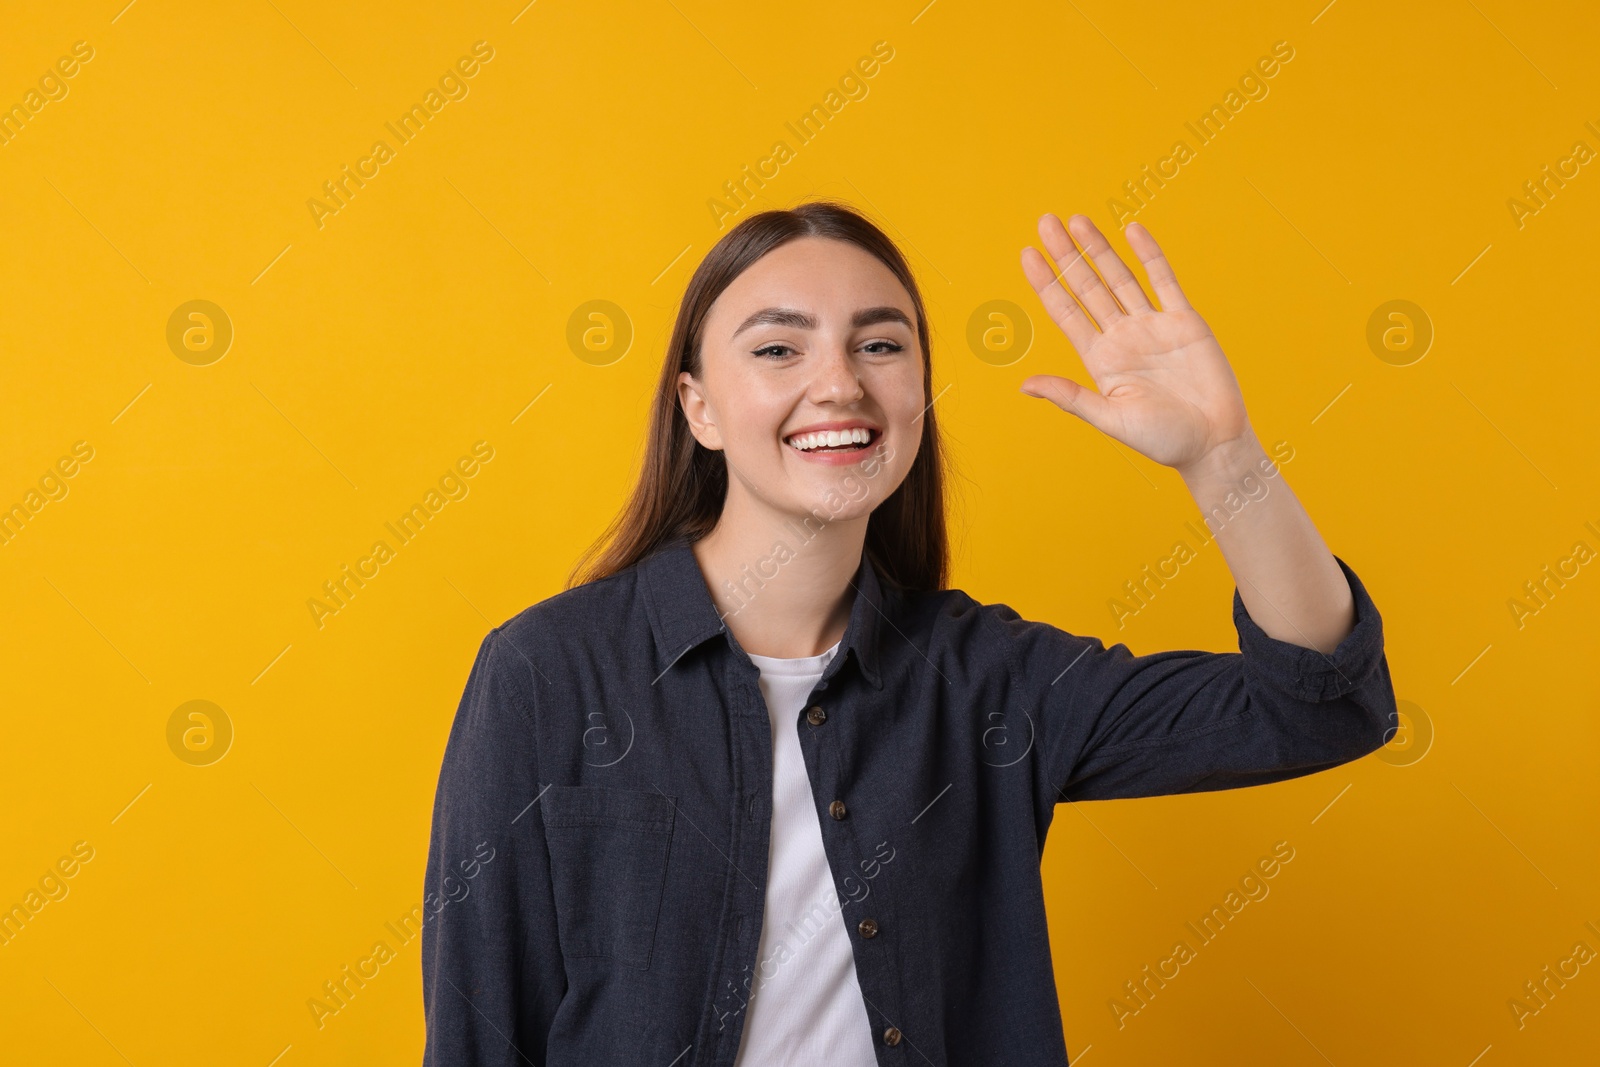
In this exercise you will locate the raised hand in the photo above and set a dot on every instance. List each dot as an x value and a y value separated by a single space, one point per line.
1165 388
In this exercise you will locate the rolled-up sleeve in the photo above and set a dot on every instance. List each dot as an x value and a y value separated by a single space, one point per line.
1111 724
492 973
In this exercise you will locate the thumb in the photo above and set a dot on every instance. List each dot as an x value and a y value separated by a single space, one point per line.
1068 395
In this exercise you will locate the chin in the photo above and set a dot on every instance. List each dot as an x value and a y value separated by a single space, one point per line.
839 506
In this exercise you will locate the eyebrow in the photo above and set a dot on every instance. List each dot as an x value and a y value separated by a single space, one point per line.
776 316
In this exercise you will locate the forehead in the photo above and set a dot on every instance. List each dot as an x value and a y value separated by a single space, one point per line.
828 278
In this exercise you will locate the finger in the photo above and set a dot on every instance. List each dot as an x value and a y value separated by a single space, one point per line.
1124 286
1058 303
1068 395
1162 280
1077 272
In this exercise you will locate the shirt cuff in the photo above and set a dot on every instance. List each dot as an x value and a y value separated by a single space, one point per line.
1305 673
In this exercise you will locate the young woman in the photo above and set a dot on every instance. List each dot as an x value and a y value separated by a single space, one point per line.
761 790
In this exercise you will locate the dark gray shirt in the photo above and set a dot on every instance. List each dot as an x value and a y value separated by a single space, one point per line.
598 861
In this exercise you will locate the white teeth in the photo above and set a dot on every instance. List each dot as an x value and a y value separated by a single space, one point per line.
807 442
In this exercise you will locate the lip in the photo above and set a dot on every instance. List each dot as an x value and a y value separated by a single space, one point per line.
818 427
836 459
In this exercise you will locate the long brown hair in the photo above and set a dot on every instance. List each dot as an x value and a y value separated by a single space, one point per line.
682 484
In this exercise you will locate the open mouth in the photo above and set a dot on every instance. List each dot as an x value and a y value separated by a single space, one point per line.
857 439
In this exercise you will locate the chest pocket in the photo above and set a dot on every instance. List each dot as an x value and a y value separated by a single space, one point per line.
608 868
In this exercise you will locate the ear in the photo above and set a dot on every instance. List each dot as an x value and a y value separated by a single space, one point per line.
697 410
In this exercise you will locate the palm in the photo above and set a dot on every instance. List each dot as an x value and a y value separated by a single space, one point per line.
1164 387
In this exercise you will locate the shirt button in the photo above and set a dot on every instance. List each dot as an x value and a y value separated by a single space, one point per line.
836 809
816 716
868 927
891 1036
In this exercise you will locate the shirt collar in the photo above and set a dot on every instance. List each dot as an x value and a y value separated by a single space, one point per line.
683 615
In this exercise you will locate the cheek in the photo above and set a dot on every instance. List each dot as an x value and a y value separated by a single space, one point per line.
752 415
739 402
908 402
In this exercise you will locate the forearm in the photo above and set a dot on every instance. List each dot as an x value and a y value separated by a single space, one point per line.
1286 576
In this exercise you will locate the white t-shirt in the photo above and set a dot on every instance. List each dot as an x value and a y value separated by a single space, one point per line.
806 1007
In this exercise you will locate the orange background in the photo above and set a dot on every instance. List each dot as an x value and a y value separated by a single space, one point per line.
372 347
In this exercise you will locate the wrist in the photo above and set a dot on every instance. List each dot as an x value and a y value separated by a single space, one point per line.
1225 463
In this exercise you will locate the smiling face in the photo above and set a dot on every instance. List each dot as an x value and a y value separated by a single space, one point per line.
810 382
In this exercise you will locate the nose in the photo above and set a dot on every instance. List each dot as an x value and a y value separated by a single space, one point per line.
835 380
